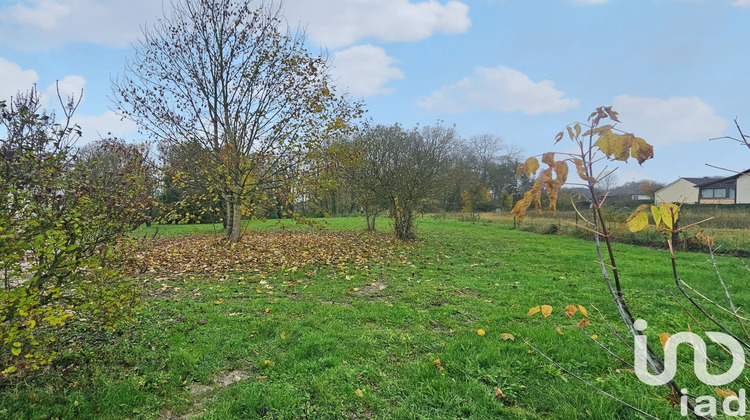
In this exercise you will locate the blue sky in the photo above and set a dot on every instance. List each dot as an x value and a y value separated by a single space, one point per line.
676 70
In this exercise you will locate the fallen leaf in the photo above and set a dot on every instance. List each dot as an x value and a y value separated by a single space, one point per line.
481 332
663 337
546 310
725 393
284 335
359 393
507 336
583 310
559 330
262 378
533 311
499 394
570 310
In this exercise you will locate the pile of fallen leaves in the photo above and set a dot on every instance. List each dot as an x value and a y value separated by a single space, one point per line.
261 252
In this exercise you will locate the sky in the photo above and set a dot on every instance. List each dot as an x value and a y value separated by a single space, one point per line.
676 70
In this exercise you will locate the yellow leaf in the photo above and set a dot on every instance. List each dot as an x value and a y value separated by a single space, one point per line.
359 393
267 310
481 332
656 214
663 337
219 302
641 150
583 310
725 393
533 311
546 310
639 219
284 336
266 363
594 336
530 166
571 310
436 362
507 336
559 330
669 214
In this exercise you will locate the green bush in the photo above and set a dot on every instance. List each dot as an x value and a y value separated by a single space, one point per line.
62 223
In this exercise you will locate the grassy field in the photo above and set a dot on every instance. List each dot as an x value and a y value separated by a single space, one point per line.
419 331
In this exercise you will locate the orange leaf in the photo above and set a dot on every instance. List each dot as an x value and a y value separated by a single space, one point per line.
533 311
499 394
663 337
583 310
582 323
571 310
262 378
546 310
559 330
725 393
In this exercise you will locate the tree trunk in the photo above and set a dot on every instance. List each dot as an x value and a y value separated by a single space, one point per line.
229 218
403 220
234 234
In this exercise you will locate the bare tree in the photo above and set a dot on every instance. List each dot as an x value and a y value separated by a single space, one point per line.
229 76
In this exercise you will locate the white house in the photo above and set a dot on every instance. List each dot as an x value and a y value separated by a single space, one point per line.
683 190
707 190
730 190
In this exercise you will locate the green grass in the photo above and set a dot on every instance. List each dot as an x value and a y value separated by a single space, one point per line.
331 333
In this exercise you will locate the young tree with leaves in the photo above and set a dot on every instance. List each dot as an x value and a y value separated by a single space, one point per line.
58 223
229 76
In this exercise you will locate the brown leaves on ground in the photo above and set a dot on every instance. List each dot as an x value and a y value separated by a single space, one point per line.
262 252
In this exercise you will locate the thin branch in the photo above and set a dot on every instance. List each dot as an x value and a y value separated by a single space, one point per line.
589 384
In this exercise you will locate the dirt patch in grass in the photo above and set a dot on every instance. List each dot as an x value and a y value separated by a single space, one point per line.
371 289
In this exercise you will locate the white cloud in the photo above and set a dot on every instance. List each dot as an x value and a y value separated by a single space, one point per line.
46 15
667 121
364 69
45 24
339 23
741 3
15 79
109 124
499 89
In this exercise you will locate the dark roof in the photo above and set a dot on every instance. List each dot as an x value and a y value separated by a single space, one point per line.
705 180
719 180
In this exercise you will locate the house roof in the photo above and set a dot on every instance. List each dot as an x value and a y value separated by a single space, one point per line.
701 181
724 179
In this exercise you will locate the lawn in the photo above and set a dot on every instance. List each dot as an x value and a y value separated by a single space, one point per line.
344 324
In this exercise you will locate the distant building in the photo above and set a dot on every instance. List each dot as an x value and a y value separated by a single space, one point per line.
733 189
684 190
730 190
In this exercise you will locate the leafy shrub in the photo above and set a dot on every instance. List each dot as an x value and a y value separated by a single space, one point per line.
59 222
